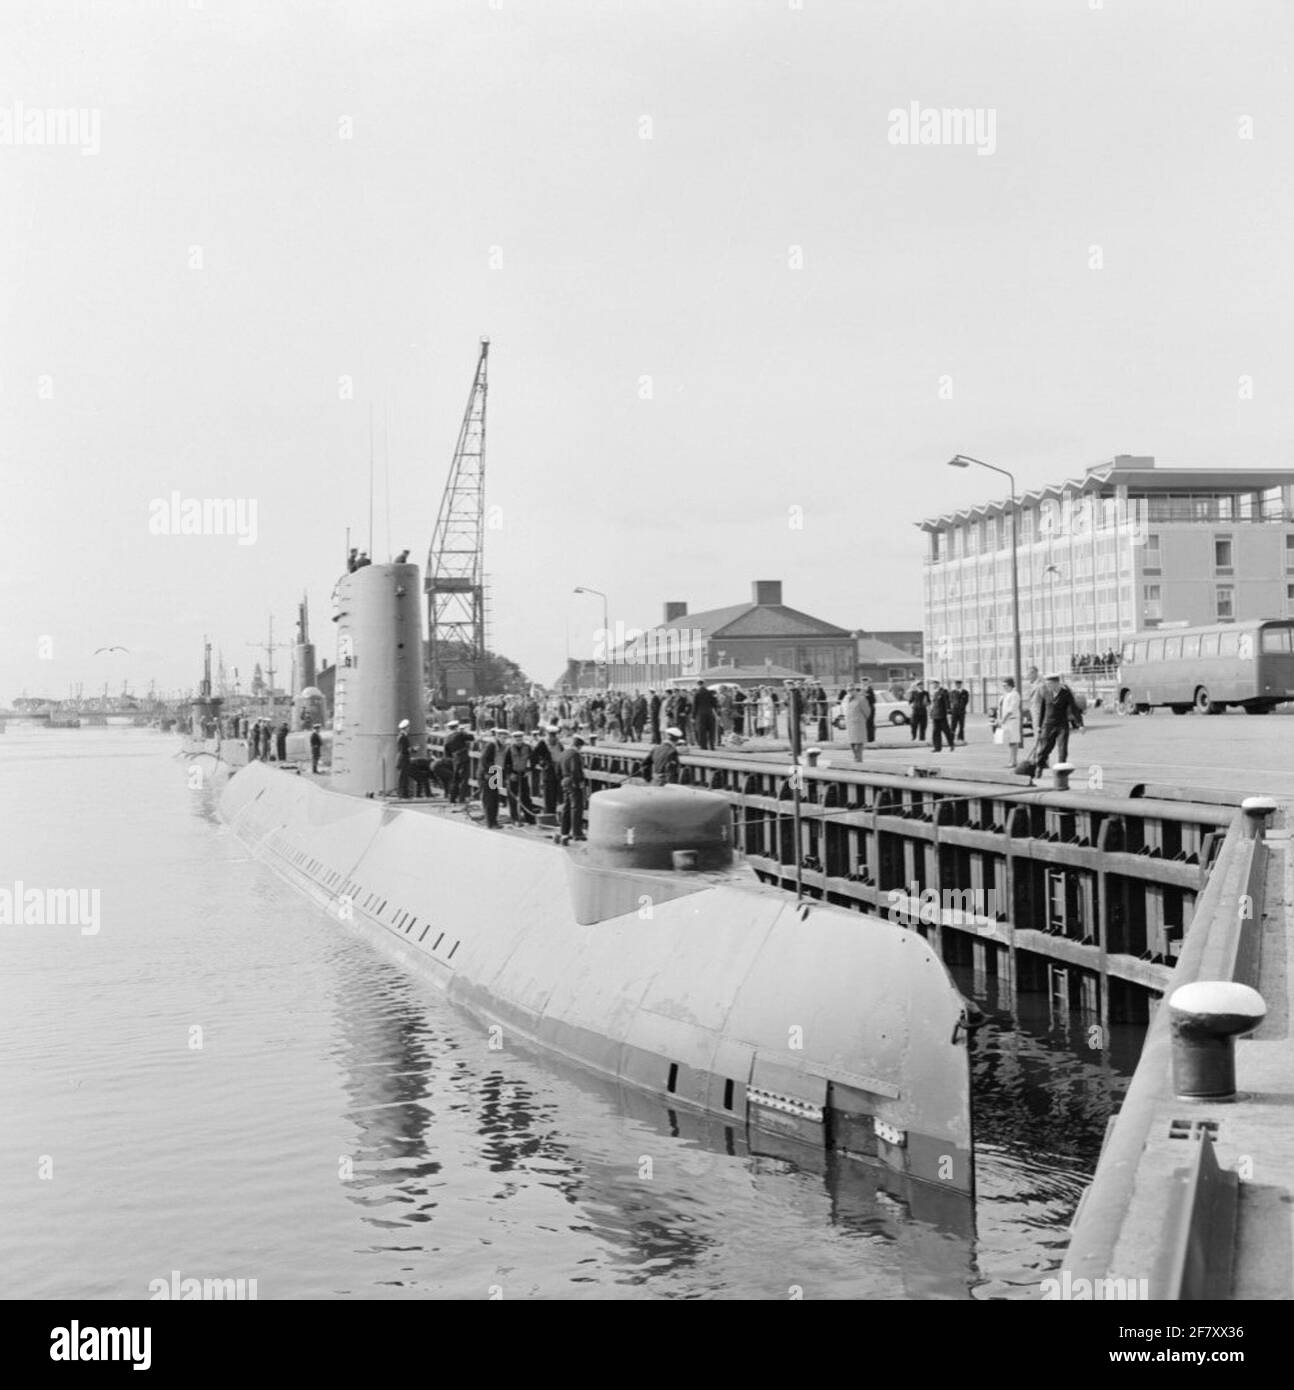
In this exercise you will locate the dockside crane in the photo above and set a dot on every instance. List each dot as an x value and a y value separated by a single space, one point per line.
455 576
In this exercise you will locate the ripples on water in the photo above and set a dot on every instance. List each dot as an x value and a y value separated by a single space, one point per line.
230 1084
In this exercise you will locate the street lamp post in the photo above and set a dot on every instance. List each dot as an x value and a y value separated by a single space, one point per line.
1051 616
606 633
965 461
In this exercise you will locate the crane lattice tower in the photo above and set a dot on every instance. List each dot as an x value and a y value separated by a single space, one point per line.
455 578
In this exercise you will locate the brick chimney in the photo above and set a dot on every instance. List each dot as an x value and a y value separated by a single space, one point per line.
675 609
766 591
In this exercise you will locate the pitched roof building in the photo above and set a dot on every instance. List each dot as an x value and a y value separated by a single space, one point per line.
763 632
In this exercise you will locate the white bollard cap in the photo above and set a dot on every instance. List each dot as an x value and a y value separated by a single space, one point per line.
1258 805
1219 997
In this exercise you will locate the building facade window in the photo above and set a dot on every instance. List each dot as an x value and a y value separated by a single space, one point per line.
1152 603
1226 596
1222 554
1151 561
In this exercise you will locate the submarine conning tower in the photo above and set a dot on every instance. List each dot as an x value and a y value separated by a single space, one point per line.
659 828
379 675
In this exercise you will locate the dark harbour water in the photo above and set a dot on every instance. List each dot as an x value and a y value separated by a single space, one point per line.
226 1083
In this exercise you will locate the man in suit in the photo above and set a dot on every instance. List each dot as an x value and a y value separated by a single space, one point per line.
919 701
574 786
705 713
316 748
402 758
869 700
660 766
939 711
958 701
489 776
653 710
458 749
639 716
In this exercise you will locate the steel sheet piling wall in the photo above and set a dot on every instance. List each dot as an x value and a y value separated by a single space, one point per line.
1091 881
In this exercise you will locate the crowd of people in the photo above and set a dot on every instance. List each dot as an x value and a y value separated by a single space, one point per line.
708 717
1093 663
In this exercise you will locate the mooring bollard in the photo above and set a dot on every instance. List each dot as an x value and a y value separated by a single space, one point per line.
1257 809
811 756
1061 774
1206 1018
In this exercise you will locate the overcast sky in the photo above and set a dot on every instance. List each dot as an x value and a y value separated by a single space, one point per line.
716 290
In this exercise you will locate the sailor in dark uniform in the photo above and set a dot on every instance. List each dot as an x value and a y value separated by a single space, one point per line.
316 748
458 749
661 765
402 758
653 706
574 785
420 771
352 560
704 715
547 752
282 741
488 775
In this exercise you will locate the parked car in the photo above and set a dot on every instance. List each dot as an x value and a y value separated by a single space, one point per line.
889 709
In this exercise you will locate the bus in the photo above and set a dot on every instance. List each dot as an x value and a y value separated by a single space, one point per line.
1248 663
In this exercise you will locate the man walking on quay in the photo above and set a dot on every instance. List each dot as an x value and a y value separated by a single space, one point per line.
958 701
919 701
939 711
571 766
316 748
1060 714
705 713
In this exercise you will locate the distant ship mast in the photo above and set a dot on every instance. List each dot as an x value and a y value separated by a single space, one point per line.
455 580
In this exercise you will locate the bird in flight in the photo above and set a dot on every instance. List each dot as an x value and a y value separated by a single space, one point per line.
97 650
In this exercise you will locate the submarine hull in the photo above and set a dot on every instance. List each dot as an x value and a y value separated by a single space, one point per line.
815 1025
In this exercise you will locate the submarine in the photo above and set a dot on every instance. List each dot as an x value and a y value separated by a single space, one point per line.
648 954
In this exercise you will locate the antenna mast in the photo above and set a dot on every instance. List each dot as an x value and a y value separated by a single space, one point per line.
455 578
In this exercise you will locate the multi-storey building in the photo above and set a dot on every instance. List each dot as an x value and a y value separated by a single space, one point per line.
1126 547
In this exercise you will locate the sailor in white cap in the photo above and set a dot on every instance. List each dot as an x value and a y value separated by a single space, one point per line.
1060 713
660 766
516 774
458 749
403 758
